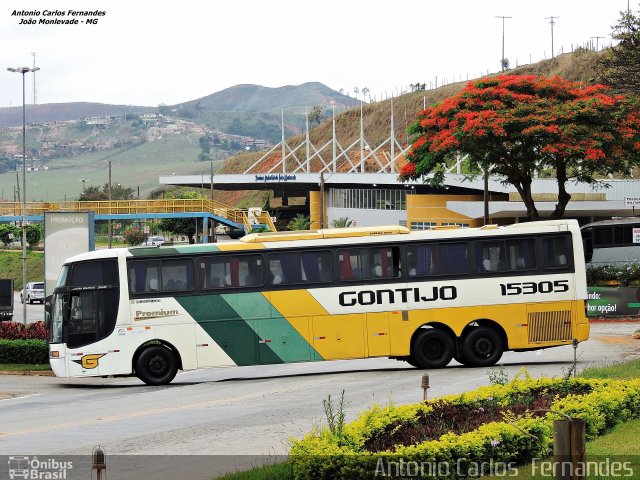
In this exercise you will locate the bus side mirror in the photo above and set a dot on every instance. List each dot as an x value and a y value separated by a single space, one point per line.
47 311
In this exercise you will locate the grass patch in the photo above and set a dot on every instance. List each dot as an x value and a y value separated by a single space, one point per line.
623 370
24 367
622 440
11 266
281 471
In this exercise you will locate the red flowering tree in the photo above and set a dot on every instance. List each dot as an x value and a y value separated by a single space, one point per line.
516 125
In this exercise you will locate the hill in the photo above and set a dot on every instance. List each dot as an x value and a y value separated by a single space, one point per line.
256 111
58 112
255 98
579 66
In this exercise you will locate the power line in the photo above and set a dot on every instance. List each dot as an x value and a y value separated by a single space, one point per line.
502 59
552 23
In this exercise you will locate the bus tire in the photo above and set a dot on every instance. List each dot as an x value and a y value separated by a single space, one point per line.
460 359
432 348
411 361
156 365
482 347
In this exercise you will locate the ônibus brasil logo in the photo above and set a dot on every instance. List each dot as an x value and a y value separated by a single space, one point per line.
34 468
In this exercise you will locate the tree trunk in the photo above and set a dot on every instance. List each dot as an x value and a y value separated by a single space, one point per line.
524 189
563 195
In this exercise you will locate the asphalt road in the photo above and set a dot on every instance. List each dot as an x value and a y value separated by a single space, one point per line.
35 311
244 410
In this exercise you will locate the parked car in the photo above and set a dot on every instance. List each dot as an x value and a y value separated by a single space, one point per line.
34 292
154 241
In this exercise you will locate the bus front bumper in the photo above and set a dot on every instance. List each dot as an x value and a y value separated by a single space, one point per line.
57 360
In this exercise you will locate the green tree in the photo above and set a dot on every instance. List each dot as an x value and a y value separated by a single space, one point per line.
316 115
621 66
34 234
118 192
299 222
181 226
206 148
517 125
134 236
9 233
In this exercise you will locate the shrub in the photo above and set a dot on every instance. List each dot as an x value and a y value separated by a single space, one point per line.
625 274
515 440
16 330
134 236
34 234
30 351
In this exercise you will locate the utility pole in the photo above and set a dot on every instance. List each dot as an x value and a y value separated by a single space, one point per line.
110 228
597 42
34 77
503 60
552 23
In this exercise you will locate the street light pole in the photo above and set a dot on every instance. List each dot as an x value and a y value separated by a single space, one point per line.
110 228
23 71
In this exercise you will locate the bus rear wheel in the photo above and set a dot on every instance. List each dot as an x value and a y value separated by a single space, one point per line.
156 365
482 347
432 348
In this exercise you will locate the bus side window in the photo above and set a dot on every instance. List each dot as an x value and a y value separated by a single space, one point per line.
556 253
144 276
177 275
490 256
521 254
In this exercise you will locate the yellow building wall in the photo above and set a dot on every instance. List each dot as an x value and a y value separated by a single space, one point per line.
432 208
314 210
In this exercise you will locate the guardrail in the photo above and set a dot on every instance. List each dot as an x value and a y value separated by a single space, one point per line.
106 207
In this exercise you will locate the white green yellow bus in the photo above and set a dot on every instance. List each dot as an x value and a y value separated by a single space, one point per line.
423 297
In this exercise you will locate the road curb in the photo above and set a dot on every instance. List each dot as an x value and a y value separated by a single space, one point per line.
29 373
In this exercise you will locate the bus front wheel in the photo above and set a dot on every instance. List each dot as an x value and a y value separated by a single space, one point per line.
156 365
482 347
432 348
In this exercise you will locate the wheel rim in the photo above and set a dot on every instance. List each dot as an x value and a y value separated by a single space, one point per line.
484 347
158 365
434 349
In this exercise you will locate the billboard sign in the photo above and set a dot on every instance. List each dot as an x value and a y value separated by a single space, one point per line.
613 301
65 234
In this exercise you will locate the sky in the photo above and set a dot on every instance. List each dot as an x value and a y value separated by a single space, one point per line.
150 52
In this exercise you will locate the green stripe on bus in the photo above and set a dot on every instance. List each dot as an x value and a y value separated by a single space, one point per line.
274 330
208 248
228 329
153 251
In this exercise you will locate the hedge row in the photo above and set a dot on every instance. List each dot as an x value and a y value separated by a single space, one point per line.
341 454
17 330
32 351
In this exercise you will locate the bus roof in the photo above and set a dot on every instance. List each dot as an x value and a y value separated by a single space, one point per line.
333 236
325 233
613 221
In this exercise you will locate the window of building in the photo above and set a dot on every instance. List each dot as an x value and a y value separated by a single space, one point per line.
368 199
422 225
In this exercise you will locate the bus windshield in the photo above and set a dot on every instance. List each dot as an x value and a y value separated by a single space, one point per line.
85 303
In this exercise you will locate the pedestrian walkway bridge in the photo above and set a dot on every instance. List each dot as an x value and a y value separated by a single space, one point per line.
206 209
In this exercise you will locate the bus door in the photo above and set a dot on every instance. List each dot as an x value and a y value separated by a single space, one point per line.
385 269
